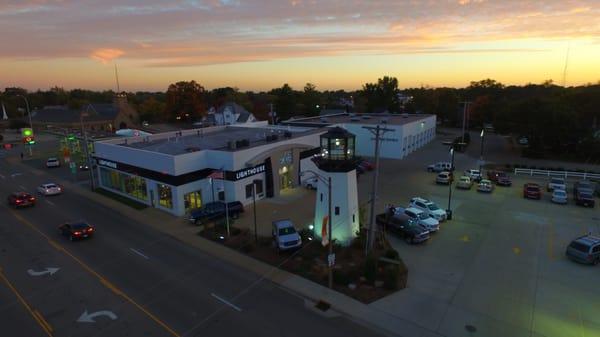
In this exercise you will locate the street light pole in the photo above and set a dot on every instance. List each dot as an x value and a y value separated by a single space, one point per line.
87 152
449 210
254 208
30 123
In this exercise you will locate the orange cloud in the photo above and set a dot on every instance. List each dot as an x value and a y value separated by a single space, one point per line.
106 55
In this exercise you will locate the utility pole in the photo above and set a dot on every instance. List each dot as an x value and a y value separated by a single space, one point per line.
329 223
378 132
30 123
87 150
464 121
272 113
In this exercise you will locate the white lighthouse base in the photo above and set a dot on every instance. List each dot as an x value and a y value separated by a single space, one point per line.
344 206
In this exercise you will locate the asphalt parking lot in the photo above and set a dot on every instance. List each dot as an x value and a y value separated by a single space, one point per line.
498 268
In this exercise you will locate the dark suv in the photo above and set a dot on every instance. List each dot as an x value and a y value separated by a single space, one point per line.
215 210
585 249
21 199
500 178
403 226
584 198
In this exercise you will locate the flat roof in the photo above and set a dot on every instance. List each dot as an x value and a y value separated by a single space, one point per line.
348 118
216 139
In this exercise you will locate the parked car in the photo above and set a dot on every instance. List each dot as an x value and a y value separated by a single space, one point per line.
584 185
444 178
532 191
485 185
49 189
559 196
500 178
584 198
475 175
77 230
523 141
367 165
52 162
440 166
215 210
403 226
360 170
464 183
310 183
556 183
21 199
429 207
420 217
585 249
285 235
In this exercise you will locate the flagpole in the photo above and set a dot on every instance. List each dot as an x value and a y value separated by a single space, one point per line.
226 206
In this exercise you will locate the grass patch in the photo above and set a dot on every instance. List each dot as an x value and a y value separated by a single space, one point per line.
124 200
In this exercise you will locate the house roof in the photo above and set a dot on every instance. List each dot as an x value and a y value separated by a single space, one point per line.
244 115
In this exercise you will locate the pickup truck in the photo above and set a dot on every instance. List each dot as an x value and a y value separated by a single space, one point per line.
403 226
215 210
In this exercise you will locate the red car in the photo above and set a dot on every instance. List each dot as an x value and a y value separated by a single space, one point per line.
367 165
76 230
532 191
21 199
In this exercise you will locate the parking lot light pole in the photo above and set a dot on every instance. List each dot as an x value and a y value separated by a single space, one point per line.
254 208
87 150
481 152
449 210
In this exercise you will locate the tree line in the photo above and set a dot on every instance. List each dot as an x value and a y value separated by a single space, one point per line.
554 118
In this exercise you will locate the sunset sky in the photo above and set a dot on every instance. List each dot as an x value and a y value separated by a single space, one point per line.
259 45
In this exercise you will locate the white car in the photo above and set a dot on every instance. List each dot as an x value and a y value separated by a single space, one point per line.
429 207
559 196
485 185
443 178
310 183
440 166
49 189
556 183
475 175
52 162
464 182
421 217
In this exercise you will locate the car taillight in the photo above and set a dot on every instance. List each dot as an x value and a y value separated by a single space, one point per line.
32 199
77 233
18 201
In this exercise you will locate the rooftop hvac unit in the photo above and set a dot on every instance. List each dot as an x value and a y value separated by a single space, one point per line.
354 119
366 117
231 145
404 115
287 134
384 121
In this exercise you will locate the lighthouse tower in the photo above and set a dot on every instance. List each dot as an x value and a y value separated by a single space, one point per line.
337 165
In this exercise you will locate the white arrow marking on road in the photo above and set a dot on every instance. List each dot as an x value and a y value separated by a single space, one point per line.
226 302
50 271
89 318
2 176
140 254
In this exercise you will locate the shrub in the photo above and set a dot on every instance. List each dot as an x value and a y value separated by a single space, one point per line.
370 269
247 247
235 231
391 275
340 277
392 254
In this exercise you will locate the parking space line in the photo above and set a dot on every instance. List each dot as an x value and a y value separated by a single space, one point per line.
2 176
42 322
22 187
551 241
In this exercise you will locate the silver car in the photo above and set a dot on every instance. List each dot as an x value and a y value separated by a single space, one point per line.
485 185
585 249
559 196
49 189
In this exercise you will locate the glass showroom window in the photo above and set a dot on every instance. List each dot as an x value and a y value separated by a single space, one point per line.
111 179
135 187
165 196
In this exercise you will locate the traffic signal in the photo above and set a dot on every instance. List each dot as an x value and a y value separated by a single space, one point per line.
27 135
30 140
71 137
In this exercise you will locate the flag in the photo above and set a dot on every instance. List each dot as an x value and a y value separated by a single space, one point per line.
324 236
4 115
216 175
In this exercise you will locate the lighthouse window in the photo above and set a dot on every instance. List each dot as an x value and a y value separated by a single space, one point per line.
337 210
321 197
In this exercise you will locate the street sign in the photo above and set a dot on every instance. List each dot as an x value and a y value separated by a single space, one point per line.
331 260
73 167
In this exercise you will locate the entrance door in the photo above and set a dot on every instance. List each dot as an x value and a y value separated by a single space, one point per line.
285 177
192 200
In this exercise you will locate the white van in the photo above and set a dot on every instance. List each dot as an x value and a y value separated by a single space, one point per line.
440 166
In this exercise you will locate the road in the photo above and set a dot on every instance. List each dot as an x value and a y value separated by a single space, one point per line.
131 279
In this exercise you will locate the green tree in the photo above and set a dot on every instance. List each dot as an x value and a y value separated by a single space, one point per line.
382 95
185 101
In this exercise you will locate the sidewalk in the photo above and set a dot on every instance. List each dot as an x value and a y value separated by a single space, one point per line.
371 316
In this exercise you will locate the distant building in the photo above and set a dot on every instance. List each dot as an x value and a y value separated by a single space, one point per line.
97 116
228 114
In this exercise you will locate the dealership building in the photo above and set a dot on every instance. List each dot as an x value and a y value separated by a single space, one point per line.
182 170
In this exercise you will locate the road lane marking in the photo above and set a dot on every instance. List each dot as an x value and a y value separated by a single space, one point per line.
2 176
140 254
226 302
16 174
49 202
104 281
22 187
42 322
89 318
465 238
516 250
50 271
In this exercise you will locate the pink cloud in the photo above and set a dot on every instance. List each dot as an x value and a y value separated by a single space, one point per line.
106 55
